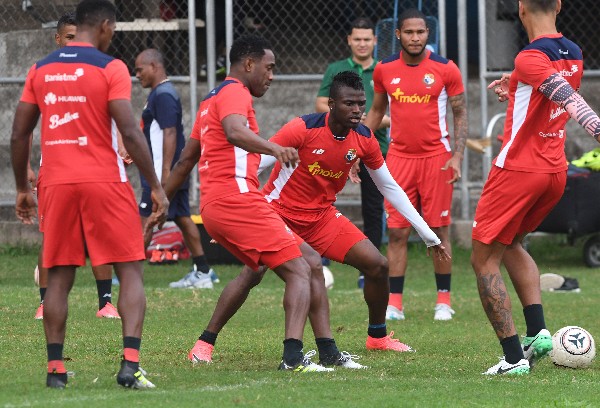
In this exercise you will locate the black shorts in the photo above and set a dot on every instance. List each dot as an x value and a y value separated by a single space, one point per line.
179 206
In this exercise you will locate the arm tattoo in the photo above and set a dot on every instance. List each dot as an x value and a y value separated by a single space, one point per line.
559 91
459 111
496 303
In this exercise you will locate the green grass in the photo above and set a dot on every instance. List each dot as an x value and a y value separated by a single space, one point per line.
445 371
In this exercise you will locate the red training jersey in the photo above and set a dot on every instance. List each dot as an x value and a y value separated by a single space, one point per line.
225 169
534 131
324 162
72 87
418 95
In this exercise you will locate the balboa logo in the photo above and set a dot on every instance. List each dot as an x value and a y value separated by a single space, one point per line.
415 98
316 170
555 113
64 77
50 99
56 120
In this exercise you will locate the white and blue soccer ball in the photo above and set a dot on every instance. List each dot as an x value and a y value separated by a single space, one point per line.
573 347
328 277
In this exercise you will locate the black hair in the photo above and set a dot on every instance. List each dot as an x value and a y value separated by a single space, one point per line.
349 79
66 19
540 5
245 46
411 13
362 23
152 54
92 12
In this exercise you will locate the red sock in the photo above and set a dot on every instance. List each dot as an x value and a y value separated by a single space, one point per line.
56 366
395 300
443 297
131 354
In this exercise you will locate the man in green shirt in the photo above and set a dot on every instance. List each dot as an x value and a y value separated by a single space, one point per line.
362 40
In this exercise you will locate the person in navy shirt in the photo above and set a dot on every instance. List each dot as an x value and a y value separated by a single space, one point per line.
163 128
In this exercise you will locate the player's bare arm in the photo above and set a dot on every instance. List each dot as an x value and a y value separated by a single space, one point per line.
239 135
31 177
558 90
187 160
169 147
459 111
322 104
135 143
377 111
26 117
500 87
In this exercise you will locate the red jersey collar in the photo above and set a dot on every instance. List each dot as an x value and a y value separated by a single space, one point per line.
557 35
79 44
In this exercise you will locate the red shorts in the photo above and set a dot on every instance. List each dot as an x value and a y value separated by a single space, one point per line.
515 202
102 215
40 199
328 232
248 227
426 186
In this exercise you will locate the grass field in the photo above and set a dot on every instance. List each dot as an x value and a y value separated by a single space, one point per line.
445 371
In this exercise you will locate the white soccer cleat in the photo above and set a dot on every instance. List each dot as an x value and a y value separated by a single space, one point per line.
193 280
503 367
443 312
393 313
305 366
345 360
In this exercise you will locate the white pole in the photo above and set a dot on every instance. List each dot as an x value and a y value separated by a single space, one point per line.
229 29
193 82
463 65
211 59
442 26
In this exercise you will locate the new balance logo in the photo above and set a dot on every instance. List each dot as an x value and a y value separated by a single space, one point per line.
107 295
563 52
444 213
395 81
318 151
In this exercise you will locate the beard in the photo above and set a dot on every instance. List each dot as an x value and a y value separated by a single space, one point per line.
412 54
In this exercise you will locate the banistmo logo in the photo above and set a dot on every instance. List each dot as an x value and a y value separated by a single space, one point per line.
565 73
56 120
64 77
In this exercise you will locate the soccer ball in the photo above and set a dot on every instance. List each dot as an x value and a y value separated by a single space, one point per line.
573 347
328 277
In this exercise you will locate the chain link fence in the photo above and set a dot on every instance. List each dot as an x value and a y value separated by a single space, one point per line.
306 36
501 37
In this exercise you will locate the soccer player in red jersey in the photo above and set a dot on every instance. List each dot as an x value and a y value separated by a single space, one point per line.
527 179
80 93
418 85
65 32
226 146
328 145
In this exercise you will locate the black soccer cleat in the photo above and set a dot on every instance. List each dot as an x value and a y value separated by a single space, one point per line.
132 376
56 380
